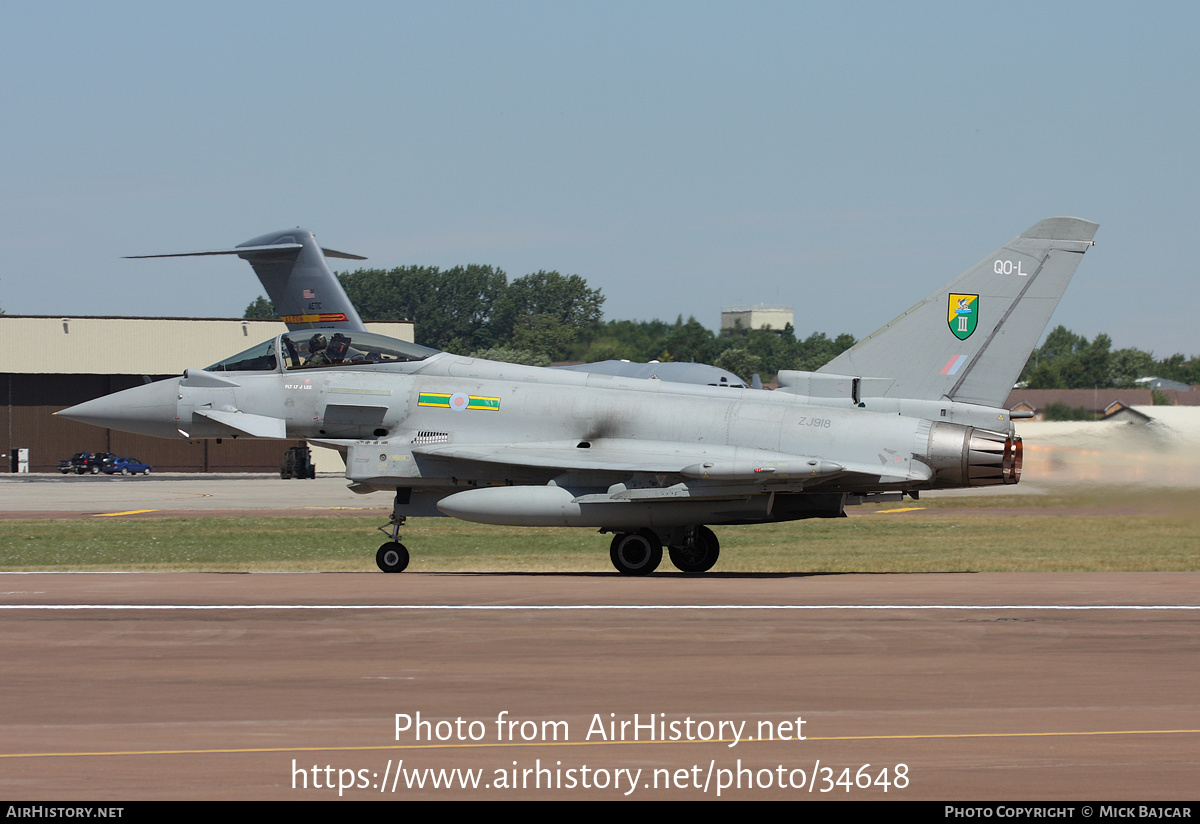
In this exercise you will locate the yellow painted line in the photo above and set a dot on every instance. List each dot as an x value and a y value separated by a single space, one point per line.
906 509
130 512
491 745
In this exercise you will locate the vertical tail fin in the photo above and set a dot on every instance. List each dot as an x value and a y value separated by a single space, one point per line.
292 268
969 340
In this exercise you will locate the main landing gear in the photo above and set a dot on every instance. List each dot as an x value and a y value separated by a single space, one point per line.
640 553
699 554
636 553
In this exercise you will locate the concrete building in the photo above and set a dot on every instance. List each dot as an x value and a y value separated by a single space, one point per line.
50 363
755 317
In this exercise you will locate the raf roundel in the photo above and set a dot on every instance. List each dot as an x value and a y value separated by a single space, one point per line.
459 402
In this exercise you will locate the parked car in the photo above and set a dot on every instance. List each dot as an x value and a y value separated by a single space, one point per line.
83 462
68 465
126 466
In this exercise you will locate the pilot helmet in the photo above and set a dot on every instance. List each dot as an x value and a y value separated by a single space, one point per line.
317 342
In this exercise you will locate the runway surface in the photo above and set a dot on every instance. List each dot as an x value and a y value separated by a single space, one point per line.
956 686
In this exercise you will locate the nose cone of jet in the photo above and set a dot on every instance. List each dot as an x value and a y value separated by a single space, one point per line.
144 410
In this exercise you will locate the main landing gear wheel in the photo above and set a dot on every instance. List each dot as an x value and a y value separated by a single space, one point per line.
392 557
636 553
701 555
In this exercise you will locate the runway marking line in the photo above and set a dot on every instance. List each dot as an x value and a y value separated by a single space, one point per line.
114 514
615 607
905 509
505 744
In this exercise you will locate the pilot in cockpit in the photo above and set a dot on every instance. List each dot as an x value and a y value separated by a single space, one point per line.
317 354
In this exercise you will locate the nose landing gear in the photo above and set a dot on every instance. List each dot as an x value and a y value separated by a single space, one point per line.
392 556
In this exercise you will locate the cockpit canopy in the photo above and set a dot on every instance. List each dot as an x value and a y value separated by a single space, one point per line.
323 348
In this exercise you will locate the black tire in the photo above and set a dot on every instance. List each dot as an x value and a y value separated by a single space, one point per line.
392 557
79 470
635 553
95 470
147 472
124 470
701 557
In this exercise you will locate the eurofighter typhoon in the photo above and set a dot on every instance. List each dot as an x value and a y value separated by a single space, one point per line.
916 406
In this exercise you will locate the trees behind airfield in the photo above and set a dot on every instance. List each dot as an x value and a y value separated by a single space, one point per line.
1070 361
473 308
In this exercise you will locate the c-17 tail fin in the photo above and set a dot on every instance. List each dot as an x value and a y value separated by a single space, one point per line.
969 340
292 268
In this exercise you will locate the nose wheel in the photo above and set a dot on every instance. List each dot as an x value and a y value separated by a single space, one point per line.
392 557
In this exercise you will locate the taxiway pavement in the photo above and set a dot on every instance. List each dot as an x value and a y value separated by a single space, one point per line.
51 495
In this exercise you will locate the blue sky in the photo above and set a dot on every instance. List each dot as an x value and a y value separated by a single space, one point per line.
846 159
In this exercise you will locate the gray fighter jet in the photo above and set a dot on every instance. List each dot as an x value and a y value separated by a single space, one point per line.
914 407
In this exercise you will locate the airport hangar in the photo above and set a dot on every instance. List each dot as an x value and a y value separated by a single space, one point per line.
50 363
